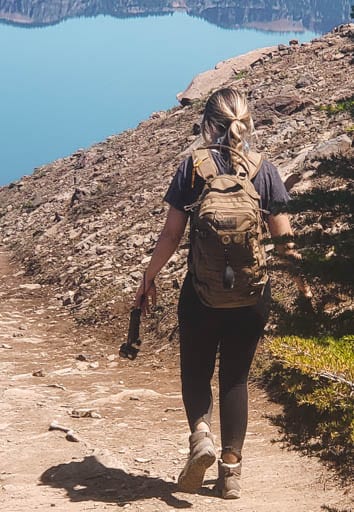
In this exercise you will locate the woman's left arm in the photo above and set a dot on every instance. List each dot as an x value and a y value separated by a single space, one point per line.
167 243
279 226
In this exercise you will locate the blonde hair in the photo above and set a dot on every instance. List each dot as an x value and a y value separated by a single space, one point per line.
227 117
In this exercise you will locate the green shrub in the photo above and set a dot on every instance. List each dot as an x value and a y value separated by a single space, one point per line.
314 378
344 105
240 74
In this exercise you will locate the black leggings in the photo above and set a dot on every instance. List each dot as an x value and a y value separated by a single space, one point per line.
235 332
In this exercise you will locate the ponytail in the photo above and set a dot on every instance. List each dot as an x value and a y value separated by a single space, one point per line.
227 118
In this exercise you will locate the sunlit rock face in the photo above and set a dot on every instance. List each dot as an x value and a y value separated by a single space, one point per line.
274 15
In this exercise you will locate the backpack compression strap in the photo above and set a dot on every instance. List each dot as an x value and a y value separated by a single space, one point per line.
255 160
203 164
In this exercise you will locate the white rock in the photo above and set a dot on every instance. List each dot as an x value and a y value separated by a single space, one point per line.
30 286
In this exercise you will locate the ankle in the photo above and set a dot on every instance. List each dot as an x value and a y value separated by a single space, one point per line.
201 427
230 458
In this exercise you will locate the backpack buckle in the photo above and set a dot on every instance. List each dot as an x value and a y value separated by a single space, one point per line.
241 174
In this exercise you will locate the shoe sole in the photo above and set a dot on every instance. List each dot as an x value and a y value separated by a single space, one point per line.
231 495
192 479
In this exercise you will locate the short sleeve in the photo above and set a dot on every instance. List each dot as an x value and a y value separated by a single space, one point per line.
271 188
181 192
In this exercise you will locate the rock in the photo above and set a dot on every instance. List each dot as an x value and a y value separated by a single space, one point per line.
158 115
292 180
37 200
304 81
338 56
30 286
81 160
84 413
78 196
71 297
138 241
137 276
82 357
38 373
75 233
213 79
284 104
102 249
128 394
340 146
57 217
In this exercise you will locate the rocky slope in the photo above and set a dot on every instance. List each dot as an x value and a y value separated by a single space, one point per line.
283 15
87 224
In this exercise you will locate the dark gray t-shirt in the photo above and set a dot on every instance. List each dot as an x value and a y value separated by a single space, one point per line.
267 182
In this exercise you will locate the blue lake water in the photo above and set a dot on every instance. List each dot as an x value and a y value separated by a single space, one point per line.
70 85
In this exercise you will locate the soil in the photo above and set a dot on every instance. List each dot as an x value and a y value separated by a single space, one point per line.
130 455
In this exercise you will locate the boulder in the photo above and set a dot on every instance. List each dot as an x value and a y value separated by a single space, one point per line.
215 78
340 146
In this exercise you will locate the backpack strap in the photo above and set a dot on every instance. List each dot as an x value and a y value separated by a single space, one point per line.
203 164
251 162
255 161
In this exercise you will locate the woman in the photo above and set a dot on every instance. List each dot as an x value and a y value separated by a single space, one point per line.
234 332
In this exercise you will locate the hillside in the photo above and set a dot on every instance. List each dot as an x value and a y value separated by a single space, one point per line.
86 224
84 227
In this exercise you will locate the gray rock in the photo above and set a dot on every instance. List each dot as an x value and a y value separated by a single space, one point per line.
340 146
137 275
69 298
304 81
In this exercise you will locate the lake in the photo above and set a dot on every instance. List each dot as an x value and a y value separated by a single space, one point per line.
66 84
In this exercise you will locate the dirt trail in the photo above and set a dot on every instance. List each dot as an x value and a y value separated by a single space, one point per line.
130 456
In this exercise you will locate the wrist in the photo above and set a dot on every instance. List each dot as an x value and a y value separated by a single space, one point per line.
148 279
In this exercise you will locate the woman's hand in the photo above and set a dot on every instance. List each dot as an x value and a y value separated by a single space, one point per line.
294 257
279 226
168 241
145 293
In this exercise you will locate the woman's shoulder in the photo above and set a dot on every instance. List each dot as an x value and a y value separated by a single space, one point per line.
270 184
184 170
268 167
268 172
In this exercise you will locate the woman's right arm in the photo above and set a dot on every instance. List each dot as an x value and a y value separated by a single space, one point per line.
167 243
279 226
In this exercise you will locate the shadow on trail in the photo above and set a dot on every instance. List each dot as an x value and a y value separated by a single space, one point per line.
90 480
334 509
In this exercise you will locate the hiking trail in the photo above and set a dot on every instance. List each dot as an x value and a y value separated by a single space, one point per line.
131 425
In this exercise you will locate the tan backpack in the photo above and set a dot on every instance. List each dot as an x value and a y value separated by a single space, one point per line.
228 257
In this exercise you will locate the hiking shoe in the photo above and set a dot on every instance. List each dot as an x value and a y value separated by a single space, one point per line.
201 456
228 483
